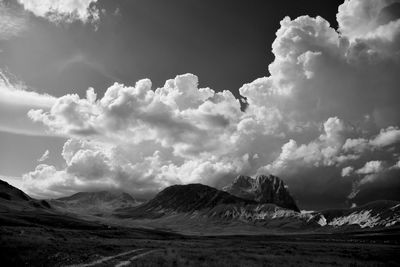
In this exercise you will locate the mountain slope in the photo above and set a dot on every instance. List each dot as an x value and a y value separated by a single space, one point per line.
95 202
19 209
263 189
183 199
382 213
12 198
196 205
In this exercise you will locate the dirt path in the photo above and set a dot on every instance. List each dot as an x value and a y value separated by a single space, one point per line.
115 261
125 263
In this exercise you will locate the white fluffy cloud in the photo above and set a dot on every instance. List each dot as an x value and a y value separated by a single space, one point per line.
63 10
90 166
369 19
328 109
323 151
371 167
145 138
387 137
347 171
178 116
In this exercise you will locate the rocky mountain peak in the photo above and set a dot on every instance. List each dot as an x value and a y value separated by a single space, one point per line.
263 189
243 181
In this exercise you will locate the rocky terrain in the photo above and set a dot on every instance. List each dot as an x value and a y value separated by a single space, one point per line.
194 204
383 213
263 189
186 206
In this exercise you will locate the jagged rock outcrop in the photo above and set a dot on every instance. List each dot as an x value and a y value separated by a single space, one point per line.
262 189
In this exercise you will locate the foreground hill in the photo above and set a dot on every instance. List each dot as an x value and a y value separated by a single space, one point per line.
19 209
95 203
263 189
12 198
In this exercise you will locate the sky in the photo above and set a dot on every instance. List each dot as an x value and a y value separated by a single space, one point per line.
140 95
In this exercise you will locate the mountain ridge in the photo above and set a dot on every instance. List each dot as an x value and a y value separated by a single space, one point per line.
263 189
95 202
19 209
186 199
196 204
17 199
193 203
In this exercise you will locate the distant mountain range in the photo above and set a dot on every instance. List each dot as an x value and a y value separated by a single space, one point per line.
264 201
261 202
95 203
19 209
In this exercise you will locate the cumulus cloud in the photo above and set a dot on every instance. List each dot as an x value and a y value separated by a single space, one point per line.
323 151
369 19
93 166
347 171
179 115
371 167
63 10
327 110
387 137
146 138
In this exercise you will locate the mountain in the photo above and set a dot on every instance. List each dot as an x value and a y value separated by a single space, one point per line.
184 199
382 213
95 203
192 206
263 189
19 209
195 205
13 198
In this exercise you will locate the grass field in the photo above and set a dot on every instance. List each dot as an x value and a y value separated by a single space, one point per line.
49 246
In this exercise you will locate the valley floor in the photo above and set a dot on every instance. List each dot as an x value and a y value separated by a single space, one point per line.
48 246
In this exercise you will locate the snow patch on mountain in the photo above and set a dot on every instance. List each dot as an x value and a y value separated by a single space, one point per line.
395 207
363 219
322 221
